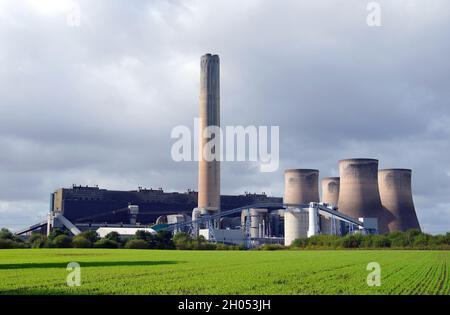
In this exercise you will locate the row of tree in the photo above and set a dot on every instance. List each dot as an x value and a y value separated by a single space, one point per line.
87 239
412 239
90 239
184 241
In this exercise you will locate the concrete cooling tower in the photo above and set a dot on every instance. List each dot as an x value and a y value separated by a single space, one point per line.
301 186
209 171
396 198
359 196
330 190
330 195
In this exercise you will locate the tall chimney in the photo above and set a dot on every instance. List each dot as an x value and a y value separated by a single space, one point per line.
330 190
209 171
359 196
396 198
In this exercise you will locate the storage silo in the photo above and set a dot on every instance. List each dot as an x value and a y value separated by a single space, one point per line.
359 196
396 198
301 186
330 190
259 222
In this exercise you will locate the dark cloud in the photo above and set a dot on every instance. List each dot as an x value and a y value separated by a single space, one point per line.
95 104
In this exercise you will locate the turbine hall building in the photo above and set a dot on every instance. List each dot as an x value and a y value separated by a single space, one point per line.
83 204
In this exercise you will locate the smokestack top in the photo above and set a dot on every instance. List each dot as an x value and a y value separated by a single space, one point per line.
358 160
331 178
210 57
301 170
395 170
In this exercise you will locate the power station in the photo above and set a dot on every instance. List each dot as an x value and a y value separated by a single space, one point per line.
362 199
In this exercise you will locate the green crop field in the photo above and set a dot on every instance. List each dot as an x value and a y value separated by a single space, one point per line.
43 271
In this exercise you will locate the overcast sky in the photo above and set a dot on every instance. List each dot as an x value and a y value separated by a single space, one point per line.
94 103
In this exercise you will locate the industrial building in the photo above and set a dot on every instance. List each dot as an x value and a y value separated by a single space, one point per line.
362 199
81 204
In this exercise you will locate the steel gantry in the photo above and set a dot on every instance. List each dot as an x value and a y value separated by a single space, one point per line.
314 210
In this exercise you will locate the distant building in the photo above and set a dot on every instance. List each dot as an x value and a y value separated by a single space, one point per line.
81 204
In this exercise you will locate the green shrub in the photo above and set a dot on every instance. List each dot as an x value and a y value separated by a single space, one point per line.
55 233
113 236
351 241
5 234
204 246
136 244
163 240
447 238
421 240
436 240
221 246
160 240
7 243
272 247
323 241
367 241
242 246
91 236
62 241
300 243
80 241
412 233
106 243
381 241
143 235
399 239
182 241
38 241
33 237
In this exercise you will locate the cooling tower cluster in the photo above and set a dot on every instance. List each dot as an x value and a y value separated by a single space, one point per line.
385 194
361 191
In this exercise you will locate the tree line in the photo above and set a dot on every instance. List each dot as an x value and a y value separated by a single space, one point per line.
90 239
411 239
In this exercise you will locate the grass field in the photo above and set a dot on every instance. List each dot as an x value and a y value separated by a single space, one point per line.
43 271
